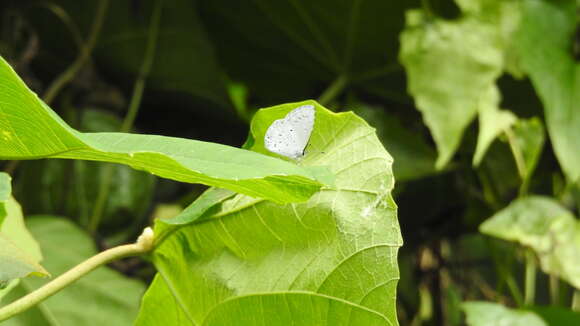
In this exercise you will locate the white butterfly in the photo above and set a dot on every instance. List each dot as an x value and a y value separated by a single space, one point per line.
289 136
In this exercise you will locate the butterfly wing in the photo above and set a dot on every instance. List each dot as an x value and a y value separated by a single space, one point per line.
289 136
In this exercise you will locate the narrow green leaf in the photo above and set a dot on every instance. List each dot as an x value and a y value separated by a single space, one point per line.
545 43
103 297
480 313
201 206
30 129
542 224
70 187
450 67
247 260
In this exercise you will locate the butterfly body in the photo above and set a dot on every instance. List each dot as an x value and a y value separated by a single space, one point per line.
289 136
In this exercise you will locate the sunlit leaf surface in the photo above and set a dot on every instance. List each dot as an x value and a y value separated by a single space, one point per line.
329 261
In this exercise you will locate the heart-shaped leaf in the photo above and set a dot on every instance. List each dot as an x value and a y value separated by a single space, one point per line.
329 261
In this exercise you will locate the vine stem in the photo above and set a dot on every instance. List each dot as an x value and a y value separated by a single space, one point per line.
138 89
85 52
333 90
520 162
143 245
426 5
82 58
530 285
554 290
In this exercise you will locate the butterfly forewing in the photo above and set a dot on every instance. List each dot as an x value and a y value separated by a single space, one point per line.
289 136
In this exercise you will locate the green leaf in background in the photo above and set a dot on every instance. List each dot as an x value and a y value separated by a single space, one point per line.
19 252
556 316
544 41
103 297
249 261
501 177
303 45
543 225
528 139
452 67
5 192
480 313
31 130
413 157
184 60
492 122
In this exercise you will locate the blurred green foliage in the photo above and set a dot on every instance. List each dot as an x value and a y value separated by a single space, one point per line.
478 102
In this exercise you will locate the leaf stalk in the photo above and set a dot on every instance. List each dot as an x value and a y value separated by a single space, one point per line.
138 89
84 55
337 86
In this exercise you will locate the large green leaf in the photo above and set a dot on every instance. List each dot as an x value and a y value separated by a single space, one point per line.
329 261
542 224
452 67
494 314
30 129
545 42
103 297
19 252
